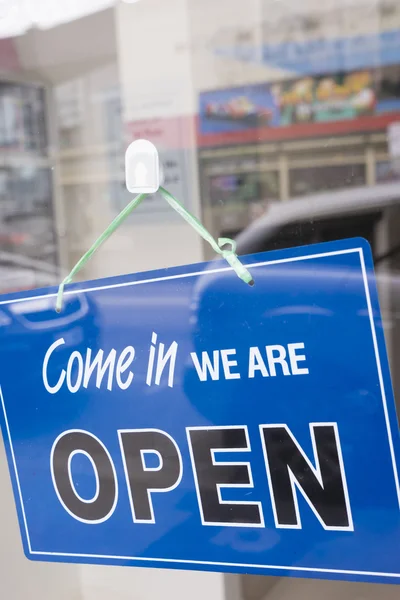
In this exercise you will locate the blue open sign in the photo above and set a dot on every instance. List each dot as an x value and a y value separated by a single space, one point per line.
182 419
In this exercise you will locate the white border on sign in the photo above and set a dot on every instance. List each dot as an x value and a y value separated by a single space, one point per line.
210 563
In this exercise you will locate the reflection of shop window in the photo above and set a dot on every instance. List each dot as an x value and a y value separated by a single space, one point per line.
319 179
22 118
385 172
389 89
243 188
26 214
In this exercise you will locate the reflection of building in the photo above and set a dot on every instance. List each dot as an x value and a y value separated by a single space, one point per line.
324 132
327 76
236 177
27 224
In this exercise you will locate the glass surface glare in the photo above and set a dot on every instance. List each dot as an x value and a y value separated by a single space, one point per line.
277 123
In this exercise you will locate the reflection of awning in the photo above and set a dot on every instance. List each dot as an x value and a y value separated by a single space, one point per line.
48 53
18 17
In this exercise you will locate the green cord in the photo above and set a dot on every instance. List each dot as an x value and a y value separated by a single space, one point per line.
100 240
229 255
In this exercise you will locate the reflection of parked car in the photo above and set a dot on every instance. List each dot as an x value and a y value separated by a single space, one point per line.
21 320
324 217
372 213
369 212
20 272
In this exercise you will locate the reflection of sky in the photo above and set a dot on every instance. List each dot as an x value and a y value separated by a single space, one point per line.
17 17
259 95
325 55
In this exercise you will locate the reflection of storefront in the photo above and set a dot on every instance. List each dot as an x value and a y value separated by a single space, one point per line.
239 181
278 110
277 141
28 251
236 187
